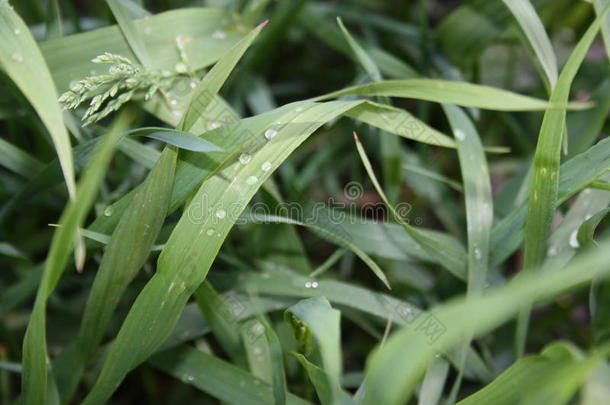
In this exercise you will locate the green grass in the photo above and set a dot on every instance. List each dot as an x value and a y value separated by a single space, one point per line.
298 202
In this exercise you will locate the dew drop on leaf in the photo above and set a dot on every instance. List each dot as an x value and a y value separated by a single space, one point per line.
245 158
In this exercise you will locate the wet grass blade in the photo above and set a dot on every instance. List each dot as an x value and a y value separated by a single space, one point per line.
34 377
24 64
545 182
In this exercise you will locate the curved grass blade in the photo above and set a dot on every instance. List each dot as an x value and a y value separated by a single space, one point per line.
329 229
587 229
449 92
530 23
443 252
34 377
390 146
545 181
24 64
394 369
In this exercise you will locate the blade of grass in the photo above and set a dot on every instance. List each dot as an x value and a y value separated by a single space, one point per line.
433 247
450 92
329 229
390 145
34 377
130 31
479 211
530 23
24 64
545 181
574 175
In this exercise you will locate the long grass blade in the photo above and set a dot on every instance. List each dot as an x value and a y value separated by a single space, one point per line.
21 59
545 182
35 362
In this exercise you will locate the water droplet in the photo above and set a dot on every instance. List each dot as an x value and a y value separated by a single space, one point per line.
299 109
180 67
17 31
314 284
218 34
173 101
214 125
210 232
308 284
574 239
17 57
221 214
166 73
258 350
252 180
270 134
552 251
266 166
245 158
108 211
177 113
477 253
193 84
459 134
190 378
